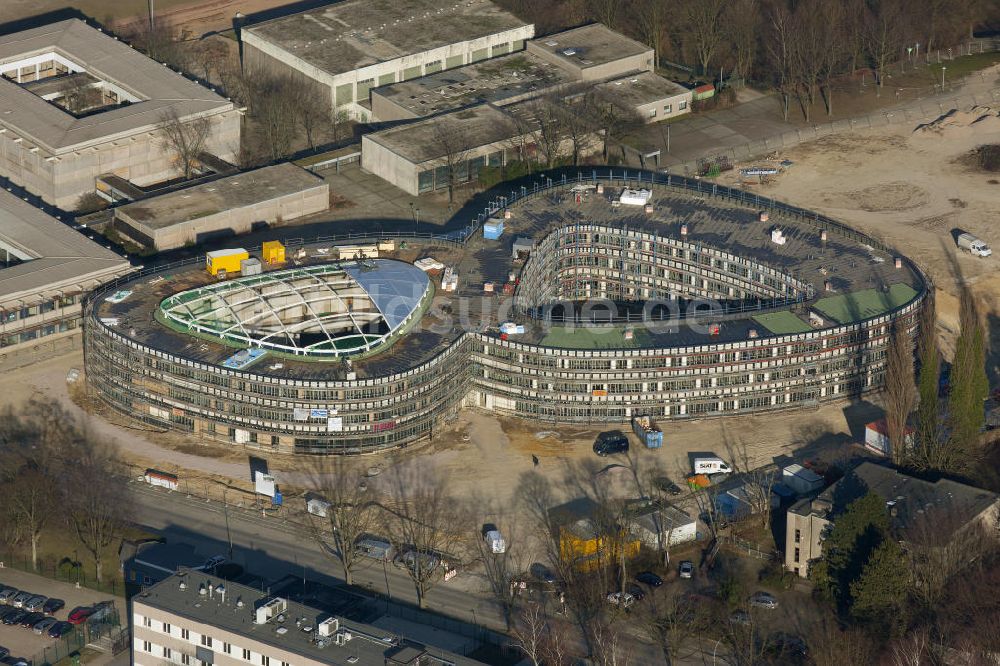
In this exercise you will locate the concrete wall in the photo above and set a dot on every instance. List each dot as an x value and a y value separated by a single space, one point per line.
142 157
642 62
257 52
385 110
237 220
388 166
644 110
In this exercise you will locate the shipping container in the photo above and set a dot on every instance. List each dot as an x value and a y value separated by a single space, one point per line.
225 260
647 431
493 229
800 479
251 266
273 252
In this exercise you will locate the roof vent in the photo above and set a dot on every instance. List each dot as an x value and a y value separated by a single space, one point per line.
239 603
202 591
183 585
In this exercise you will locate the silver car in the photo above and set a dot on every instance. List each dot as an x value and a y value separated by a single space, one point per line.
763 600
20 598
44 626
35 603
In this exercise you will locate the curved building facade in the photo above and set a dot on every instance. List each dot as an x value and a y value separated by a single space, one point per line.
785 325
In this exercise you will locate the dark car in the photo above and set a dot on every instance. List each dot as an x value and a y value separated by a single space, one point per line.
541 572
788 647
637 592
52 606
4 652
79 614
60 629
649 578
5 611
31 619
667 486
14 617
610 443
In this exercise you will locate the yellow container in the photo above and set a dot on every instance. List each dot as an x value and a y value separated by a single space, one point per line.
225 260
273 252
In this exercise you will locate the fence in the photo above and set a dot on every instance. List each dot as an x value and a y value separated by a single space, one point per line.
106 634
65 569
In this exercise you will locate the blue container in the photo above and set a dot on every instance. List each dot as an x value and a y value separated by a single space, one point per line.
493 230
654 440
277 500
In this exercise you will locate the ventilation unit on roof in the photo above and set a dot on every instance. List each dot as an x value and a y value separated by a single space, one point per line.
269 610
569 52
328 627
552 43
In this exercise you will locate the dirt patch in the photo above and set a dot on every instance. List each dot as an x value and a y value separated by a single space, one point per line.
892 196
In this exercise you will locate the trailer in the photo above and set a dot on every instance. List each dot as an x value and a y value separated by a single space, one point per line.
155 477
647 431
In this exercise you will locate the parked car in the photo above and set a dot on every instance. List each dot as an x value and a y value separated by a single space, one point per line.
788 647
8 593
636 591
31 619
35 603
493 539
4 652
686 569
212 563
101 610
14 617
667 486
60 629
44 626
7 610
20 598
621 599
80 614
541 572
763 600
14 661
610 443
409 559
739 617
649 578
52 606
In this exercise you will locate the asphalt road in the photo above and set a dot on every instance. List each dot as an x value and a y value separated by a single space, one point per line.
274 549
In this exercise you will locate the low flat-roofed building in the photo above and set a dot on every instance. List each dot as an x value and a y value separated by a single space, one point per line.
949 506
498 81
190 617
45 269
231 205
78 104
593 52
651 96
349 47
414 157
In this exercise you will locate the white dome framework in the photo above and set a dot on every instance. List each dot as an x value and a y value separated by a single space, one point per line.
327 310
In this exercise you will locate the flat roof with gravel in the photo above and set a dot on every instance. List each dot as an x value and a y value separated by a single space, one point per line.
590 45
641 88
241 190
352 34
157 88
433 138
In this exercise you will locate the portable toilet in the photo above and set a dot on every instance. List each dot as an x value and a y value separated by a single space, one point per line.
273 252
225 260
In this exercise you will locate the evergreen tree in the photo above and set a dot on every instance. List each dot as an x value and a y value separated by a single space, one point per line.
969 385
928 437
855 534
900 394
878 596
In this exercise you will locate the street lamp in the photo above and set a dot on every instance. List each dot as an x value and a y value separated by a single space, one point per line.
943 68
714 649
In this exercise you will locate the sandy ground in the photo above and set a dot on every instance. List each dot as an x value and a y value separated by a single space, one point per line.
914 187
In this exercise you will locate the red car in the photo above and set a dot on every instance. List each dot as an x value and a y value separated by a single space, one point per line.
79 614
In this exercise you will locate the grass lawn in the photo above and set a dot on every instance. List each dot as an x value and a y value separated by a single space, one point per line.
594 337
782 323
865 304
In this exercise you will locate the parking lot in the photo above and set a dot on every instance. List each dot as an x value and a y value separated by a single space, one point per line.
23 642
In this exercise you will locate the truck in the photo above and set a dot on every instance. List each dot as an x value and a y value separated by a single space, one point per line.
647 431
712 465
973 245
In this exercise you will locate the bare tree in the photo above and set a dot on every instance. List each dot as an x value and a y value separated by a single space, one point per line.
610 645
350 515
912 649
605 11
453 144
900 394
702 19
96 501
211 55
548 130
575 125
655 18
834 53
781 48
313 112
425 527
672 622
829 645
883 33
742 25
529 632
186 138
500 569
758 483
78 95
613 119
274 108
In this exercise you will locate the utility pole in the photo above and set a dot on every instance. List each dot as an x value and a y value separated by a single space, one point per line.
151 14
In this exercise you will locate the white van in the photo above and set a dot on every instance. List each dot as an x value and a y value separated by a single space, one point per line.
495 541
711 466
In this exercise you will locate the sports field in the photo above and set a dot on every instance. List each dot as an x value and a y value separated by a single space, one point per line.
865 304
